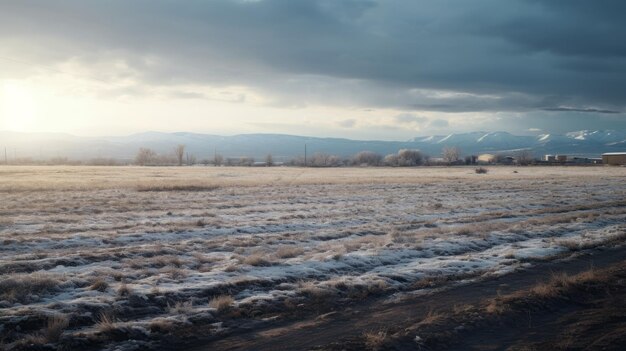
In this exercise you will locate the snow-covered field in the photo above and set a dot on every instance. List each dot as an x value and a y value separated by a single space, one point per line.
139 252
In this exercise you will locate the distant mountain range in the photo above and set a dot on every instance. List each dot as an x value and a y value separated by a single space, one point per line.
282 147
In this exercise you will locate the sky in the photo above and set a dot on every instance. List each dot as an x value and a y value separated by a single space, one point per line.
360 69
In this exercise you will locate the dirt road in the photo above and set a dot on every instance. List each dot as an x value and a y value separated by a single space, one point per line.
378 314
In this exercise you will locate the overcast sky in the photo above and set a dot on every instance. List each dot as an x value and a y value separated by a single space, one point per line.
389 69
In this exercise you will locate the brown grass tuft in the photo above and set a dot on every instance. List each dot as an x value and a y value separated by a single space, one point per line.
99 284
222 303
374 340
256 260
124 290
289 251
106 323
55 327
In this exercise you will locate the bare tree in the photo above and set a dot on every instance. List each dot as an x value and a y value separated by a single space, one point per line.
391 160
368 158
191 159
324 160
179 152
524 157
246 161
269 160
451 154
145 156
408 157
218 160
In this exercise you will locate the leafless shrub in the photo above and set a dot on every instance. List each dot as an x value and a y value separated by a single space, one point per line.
222 303
367 158
481 170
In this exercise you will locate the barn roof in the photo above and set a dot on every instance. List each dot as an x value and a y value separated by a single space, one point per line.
615 154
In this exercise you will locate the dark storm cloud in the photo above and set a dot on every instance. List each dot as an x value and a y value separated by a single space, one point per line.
447 55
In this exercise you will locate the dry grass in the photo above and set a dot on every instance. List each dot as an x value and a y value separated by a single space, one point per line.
161 325
559 286
288 251
211 239
106 323
99 284
180 307
256 260
570 244
222 303
55 327
375 340
432 318
18 287
124 290
176 187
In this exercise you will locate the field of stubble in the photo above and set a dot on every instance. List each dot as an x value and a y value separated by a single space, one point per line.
136 258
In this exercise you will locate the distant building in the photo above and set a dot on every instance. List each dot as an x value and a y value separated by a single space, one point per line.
549 158
614 158
561 158
507 160
486 158
585 160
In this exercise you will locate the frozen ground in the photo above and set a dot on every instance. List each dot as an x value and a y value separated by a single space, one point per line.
120 253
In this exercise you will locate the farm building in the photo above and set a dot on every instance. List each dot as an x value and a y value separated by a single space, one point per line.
561 158
614 158
549 158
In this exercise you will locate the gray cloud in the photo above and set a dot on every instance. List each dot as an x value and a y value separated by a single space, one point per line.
451 56
347 123
439 123
407 118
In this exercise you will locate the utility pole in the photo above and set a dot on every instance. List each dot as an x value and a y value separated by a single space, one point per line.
305 155
6 159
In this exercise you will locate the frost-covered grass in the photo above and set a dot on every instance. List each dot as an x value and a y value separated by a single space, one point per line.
145 251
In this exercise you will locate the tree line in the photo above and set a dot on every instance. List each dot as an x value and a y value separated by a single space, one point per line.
403 158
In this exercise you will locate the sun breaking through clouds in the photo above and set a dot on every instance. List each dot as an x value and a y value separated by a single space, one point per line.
361 69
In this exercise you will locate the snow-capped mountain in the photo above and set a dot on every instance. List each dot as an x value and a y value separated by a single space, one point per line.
584 142
283 147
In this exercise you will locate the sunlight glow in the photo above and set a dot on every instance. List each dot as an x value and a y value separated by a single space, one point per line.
19 107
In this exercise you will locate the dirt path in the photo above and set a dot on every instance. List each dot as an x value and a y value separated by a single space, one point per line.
378 314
